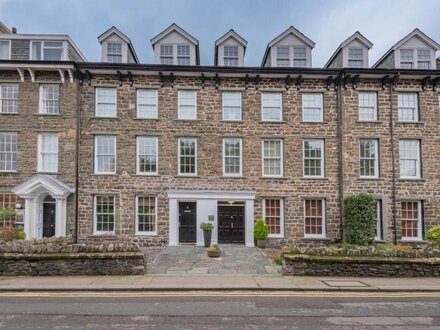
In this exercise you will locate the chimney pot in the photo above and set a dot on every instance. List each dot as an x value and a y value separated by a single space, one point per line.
14 30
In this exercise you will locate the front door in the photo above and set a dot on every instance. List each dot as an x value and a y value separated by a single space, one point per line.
231 223
187 222
48 217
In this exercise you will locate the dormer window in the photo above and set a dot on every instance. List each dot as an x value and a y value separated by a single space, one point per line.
230 56
47 50
355 58
406 59
423 59
166 54
4 49
283 56
183 55
114 52
299 57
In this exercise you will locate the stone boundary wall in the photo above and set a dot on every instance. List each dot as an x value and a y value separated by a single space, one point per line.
69 264
309 265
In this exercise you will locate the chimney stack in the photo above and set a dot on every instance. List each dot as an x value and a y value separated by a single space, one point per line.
14 30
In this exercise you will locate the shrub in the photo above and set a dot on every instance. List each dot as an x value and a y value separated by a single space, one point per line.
8 233
7 213
214 247
359 216
278 260
20 234
206 226
261 231
433 235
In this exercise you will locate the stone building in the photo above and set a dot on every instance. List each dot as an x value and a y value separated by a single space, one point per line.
153 150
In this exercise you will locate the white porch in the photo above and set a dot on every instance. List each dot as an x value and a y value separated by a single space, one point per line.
207 204
34 191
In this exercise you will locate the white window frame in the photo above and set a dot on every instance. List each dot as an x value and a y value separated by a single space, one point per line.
401 108
233 106
270 106
183 56
108 53
321 108
167 56
179 114
368 107
97 103
224 157
179 155
288 58
281 234
145 233
138 104
419 222
357 60
16 152
96 169
263 158
8 99
95 215
299 58
406 61
423 61
226 58
379 221
40 152
322 142
42 42
376 159
42 108
138 170
324 219
418 160
9 48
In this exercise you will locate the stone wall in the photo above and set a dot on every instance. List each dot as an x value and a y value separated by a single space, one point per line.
70 264
307 265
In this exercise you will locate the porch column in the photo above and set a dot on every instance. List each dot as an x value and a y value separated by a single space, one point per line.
173 222
28 205
60 217
249 227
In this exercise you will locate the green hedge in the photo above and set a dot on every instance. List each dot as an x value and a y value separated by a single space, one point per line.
359 217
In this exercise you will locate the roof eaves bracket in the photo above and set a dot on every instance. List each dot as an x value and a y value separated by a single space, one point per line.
337 82
288 82
89 78
346 79
21 73
434 83
246 81
202 80
71 75
298 82
80 77
355 81
217 81
32 74
425 82
257 82
172 79
328 82
161 79
394 80
119 77
130 78
62 77
384 81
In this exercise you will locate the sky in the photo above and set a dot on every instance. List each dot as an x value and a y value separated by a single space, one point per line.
327 23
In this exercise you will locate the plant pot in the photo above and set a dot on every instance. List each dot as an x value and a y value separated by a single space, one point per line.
214 254
207 237
262 243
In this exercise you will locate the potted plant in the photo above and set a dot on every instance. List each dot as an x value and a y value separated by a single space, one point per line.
261 231
214 251
207 232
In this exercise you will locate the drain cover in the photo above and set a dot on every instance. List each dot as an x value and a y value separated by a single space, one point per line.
345 284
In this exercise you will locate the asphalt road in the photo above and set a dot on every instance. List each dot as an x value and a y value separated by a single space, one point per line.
219 310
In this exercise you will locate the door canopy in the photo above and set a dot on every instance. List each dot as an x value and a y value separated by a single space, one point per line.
41 183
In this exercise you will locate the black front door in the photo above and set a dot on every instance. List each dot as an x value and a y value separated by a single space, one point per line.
48 219
187 222
231 224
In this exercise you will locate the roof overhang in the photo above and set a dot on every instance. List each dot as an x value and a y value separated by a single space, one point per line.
33 66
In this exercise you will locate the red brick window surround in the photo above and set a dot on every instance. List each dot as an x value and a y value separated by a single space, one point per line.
273 214
412 220
314 218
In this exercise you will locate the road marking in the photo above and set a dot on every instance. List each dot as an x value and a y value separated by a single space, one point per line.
305 294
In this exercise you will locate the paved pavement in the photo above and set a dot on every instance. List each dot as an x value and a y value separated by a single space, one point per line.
189 259
215 282
215 311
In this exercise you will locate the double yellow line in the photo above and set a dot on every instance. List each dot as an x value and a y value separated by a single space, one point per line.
201 293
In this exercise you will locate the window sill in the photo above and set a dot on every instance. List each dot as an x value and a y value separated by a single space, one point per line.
10 113
412 180
273 178
272 121
232 176
315 238
412 241
275 236
187 176
146 234
369 122
48 173
98 117
152 119
380 241
105 174
231 121
106 233
369 179
147 174
188 120
314 122
307 178
411 122
48 114
8 172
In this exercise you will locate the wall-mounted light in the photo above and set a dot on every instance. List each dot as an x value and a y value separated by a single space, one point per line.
18 206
